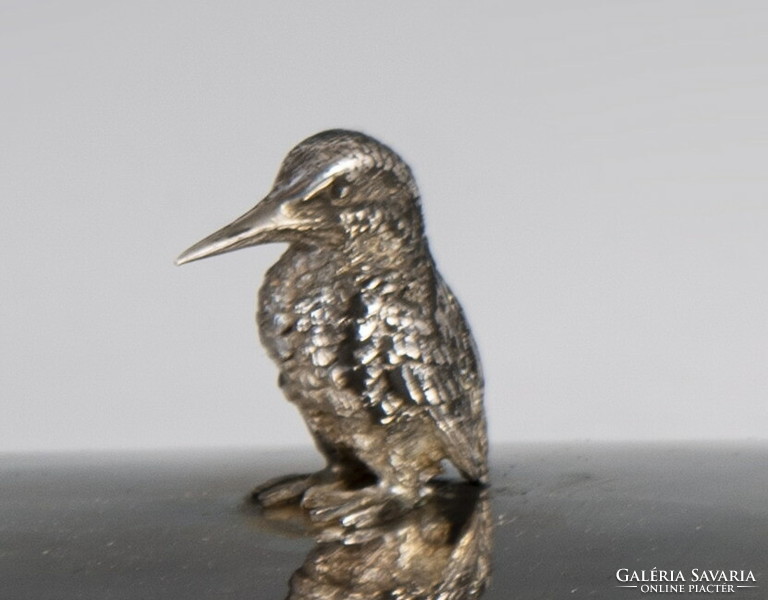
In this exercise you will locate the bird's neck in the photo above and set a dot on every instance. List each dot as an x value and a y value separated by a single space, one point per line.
387 248
389 236
305 268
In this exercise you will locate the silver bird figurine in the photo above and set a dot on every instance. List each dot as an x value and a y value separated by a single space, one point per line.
371 344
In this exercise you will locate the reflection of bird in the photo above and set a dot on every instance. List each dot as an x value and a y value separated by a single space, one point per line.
439 551
372 345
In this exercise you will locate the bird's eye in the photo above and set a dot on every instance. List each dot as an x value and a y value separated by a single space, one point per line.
330 190
339 188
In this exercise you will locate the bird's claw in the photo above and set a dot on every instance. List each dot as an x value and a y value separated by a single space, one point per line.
283 490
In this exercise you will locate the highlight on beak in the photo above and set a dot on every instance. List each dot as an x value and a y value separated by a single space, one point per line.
262 224
257 226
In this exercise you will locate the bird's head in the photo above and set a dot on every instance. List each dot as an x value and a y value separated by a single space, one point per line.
335 189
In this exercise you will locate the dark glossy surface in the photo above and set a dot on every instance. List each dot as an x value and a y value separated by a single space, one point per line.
566 518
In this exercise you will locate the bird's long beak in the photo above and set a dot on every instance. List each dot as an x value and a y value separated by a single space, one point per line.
259 225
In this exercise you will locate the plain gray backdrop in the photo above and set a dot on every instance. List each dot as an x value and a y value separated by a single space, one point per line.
594 176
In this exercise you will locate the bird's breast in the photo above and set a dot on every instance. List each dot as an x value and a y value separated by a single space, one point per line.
303 314
349 339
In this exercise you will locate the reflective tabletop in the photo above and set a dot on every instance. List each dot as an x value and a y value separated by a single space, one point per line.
559 521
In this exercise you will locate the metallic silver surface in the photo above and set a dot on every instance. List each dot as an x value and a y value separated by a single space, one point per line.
440 550
565 519
372 345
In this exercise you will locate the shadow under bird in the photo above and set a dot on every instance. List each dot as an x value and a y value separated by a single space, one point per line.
371 344
440 550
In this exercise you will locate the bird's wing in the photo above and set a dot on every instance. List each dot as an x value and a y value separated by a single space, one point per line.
424 357
453 388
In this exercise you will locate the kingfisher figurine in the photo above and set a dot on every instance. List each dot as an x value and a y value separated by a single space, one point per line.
371 344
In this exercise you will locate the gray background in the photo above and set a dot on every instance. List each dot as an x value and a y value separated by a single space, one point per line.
593 173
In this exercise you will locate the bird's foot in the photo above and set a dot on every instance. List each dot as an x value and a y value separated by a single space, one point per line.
358 509
285 490
291 489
